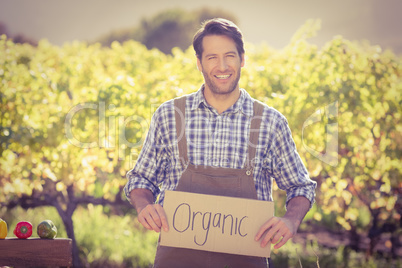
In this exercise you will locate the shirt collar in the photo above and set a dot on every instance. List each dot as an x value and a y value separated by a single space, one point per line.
244 103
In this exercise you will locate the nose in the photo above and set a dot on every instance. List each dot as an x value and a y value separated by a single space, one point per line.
223 65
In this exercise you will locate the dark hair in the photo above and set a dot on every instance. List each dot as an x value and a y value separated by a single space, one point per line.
218 26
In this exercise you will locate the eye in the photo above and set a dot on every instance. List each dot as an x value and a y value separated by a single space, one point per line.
212 58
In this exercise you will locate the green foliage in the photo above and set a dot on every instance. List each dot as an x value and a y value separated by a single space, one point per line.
73 119
117 240
73 116
362 85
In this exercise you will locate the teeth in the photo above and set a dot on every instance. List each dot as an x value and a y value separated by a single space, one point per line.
222 76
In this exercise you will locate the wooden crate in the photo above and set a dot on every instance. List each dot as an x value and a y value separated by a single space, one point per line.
36 252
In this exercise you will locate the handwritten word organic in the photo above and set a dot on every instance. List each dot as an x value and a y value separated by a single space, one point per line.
195 220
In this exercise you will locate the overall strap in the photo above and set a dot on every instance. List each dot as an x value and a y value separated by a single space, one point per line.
254 134
180 115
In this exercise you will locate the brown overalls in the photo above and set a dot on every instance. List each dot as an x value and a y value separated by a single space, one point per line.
215 181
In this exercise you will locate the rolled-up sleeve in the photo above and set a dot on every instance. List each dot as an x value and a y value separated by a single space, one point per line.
288 169
148 170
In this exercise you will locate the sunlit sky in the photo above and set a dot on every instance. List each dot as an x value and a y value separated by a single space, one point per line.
272 22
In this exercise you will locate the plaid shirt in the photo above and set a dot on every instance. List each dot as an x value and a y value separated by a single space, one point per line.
220 140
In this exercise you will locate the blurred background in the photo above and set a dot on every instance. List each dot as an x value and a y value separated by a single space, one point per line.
273 22
80 80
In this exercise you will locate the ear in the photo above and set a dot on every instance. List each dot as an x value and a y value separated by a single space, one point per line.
242 62
199 65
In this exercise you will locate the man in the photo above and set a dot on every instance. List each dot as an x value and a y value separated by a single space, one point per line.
219 134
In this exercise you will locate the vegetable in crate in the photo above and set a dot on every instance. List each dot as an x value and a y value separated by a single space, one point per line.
47 229
3 229
23 230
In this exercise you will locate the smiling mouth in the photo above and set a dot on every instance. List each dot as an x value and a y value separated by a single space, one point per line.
223 76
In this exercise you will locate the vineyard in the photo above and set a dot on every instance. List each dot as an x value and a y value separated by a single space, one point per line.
73 120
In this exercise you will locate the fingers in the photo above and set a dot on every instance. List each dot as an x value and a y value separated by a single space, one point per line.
285 239
268 230
145 218
163 218
272 232
153 217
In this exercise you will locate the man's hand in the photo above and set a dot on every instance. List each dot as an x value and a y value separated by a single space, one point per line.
151 216
286 227
275 229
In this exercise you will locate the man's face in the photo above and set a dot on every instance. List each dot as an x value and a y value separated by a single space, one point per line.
220 64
